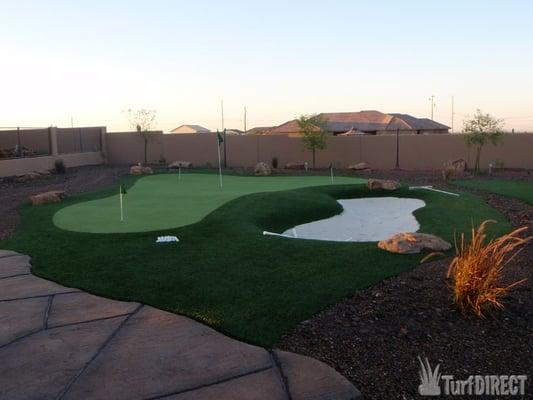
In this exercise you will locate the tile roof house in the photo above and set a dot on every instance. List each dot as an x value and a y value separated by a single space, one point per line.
369 123
259 130
185 129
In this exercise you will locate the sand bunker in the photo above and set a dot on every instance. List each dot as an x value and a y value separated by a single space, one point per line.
363 220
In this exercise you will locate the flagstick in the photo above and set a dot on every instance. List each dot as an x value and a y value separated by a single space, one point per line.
179 173
331 171
219 165
121 209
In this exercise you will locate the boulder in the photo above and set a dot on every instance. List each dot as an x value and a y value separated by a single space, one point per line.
414 242
294 165
30 176
385 184
54 196
360 166
136 170
262 169
180 164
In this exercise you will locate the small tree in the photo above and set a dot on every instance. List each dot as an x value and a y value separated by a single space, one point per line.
142 121
480 130
314 133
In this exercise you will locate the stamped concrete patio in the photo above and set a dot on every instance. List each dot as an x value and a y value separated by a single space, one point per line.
62 343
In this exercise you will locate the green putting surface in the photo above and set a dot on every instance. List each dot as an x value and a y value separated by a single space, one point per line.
162 201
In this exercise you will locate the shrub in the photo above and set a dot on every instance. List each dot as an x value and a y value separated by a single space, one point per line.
448 173
476 270
274 162
59 166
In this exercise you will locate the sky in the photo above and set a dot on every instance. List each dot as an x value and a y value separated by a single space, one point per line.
87 62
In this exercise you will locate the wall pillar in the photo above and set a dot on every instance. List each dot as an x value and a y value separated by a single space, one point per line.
103 144
52 132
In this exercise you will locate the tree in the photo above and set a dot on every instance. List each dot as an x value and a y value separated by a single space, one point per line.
481 130
314 133
142 121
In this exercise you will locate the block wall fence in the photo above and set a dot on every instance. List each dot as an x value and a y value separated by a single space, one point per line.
75 146
94 145
416 152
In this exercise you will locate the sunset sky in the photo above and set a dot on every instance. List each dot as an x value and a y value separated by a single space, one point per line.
91 60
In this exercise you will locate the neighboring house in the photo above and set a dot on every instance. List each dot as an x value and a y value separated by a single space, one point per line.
367 123
186 129
234 132
259 130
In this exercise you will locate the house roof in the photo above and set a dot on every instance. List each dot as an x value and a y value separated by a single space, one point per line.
420 123
259 130
197 128
232 131
366 121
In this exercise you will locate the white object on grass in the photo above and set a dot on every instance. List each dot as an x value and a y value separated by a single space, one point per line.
267 233
121 208
433 189
363 220
166 239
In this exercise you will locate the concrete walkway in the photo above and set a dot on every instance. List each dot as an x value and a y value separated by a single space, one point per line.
62 343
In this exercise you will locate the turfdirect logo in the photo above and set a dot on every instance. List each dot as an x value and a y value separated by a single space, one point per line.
433 383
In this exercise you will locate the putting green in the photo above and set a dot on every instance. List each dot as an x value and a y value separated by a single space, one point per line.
162 201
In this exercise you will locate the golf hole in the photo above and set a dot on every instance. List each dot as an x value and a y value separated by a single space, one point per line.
363 220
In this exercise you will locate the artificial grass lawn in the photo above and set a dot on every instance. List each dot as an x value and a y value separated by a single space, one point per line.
223 271
518 189
162 201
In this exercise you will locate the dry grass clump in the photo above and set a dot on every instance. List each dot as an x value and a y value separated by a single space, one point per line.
476 270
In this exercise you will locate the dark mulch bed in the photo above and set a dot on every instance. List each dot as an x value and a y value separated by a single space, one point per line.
75 180
375 337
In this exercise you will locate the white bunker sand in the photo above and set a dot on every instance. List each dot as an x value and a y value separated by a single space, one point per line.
363 220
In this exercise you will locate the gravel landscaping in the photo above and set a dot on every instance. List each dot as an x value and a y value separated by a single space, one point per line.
76 180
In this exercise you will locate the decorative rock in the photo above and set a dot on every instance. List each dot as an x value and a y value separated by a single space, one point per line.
54 196
30 176
180 164
293 165
360 166
414 242
43 172
136 170
262 169
385 184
